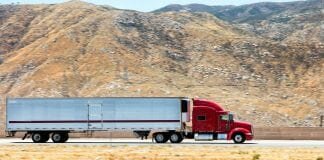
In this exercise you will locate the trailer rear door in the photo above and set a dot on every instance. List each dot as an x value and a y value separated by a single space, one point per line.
95 116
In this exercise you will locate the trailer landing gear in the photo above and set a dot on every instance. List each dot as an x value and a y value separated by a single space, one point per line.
142 134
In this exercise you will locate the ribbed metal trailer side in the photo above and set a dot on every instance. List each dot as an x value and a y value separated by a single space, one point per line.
82 114
42 118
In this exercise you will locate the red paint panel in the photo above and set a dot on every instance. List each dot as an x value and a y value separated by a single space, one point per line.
207 125
204 102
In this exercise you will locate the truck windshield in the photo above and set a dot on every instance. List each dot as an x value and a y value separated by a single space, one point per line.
225 117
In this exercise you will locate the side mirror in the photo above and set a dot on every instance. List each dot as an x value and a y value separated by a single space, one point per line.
230 117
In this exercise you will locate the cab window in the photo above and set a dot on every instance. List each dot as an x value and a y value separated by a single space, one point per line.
224 117
201 118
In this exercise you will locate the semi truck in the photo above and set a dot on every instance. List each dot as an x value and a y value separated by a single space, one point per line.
164 118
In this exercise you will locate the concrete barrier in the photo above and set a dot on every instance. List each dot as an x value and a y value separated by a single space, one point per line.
290 133
261 133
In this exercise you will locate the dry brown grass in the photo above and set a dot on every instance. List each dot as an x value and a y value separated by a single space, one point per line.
156 152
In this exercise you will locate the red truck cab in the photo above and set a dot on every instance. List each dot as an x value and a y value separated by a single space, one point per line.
211 122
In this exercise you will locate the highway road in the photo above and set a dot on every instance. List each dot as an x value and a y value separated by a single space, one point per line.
138 142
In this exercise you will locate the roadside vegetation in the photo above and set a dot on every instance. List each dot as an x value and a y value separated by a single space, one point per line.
158 152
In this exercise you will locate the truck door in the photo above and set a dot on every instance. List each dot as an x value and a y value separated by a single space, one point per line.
95 116
223 122
204 119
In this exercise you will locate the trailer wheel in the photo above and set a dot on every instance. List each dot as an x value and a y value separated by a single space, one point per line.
161 137
238 138
65 137
45 137
59 137
176 138
38 137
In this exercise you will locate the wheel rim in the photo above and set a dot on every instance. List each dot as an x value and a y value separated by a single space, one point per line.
37 137
174 137
159 137
238 138
56 137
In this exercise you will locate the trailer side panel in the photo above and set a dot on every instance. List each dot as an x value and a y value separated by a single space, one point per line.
80 114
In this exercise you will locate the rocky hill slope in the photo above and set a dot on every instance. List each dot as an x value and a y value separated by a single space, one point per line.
80 49
289 21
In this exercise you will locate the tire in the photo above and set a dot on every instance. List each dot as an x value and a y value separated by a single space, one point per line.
239 138
176 138
37 137
161 137
45 137
58 137
65 137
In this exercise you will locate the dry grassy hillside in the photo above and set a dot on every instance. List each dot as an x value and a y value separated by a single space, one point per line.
79 49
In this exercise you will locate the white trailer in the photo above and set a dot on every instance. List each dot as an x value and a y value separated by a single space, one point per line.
42 118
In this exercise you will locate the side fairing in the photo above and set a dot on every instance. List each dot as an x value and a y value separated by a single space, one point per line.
204 119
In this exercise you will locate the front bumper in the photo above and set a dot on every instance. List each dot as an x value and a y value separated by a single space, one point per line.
249 136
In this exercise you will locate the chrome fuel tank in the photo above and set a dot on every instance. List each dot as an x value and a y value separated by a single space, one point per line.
203 136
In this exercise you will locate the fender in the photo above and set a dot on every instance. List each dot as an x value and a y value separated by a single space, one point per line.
242 130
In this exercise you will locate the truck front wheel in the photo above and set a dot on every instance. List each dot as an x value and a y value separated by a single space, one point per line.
161 137
238 138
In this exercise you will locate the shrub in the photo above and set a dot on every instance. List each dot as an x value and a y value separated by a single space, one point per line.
256 157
